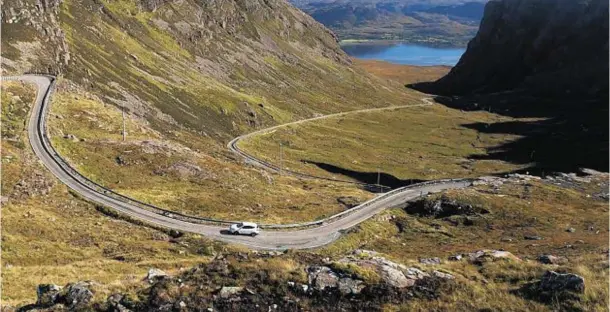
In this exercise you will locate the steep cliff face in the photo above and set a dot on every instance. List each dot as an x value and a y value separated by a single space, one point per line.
548 47
538 58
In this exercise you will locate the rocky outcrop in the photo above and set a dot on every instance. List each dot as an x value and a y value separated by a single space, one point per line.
553 48
391 273
361 281
77 295
322 277
554 282
430 261
74 296
47 294
442 207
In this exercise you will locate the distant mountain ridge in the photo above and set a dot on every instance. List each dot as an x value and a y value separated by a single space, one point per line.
437 22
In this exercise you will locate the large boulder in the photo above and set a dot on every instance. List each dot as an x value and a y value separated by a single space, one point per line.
442 207
322 277
348 201
391 273
395 277
47 294
555 282
77 294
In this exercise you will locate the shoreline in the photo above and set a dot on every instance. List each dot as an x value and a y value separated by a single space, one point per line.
439 45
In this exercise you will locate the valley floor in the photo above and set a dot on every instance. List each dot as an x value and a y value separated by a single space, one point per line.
65 239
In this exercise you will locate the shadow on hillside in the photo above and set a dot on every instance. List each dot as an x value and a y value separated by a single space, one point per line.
571 134
385 179
550 145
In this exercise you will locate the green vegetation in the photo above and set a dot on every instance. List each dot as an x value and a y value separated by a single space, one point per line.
420 143
57 242
430 23
192 180
517 209
51 236
189 77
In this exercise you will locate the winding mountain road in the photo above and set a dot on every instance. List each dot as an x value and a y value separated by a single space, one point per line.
273 240
269 166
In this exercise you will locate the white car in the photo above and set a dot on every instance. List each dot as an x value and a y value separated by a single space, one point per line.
244 228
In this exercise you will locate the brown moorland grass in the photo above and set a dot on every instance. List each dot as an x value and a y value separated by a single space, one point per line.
403 74
425 143
184 172
51 236
516 209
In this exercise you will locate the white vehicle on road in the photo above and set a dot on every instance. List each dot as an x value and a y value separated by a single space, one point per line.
244 228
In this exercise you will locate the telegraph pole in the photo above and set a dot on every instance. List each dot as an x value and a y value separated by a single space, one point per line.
281 158
124 132
379 179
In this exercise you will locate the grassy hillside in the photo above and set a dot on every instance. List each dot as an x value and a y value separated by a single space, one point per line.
218 69
191 75
183 171
50 235
419 143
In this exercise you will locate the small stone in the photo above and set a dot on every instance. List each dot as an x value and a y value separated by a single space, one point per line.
482 256
154 275
430 261
550 259
71 137
506 239
227 292
442 275
571 230
532 237
455 258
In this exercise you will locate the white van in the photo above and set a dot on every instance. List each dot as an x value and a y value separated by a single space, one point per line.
244 228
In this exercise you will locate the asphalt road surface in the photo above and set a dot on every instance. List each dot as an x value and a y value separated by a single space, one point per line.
274 240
